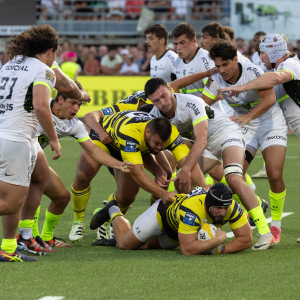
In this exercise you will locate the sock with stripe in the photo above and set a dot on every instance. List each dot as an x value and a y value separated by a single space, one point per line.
259 219
9 245
80 200
49 225
123 209
114 211
26 228
35 229
277 202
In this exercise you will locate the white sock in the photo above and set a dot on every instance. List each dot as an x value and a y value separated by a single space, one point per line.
113 209
276 223
26 233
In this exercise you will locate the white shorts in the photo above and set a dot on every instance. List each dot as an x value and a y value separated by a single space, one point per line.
16 162
146 227
291 112
270 132
229 136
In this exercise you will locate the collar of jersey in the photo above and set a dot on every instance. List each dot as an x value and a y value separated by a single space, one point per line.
193 56
241 71
163 54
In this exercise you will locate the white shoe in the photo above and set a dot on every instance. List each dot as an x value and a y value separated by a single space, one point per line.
76 233
111 232
264 242
298 241
252 186
102 231
262 173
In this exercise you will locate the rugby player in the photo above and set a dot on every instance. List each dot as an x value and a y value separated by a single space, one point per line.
221 138
66 124
285 80
162 63
26 84
176 224
258 114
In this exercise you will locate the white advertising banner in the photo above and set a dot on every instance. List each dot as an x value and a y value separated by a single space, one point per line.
248 17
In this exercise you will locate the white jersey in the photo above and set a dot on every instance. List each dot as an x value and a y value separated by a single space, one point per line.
242 58
164 67
63 127
245 101
257 61
191 110
18 121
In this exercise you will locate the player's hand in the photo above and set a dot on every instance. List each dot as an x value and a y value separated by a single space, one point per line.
212 71
55 146
125 166
206 187
105 138
221 235
86 97
183 182
233 89
245 119
161 178
168 197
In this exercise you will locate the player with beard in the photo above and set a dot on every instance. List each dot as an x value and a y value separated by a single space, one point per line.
176 224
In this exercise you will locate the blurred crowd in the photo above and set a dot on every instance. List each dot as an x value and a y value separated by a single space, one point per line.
130 10
79 59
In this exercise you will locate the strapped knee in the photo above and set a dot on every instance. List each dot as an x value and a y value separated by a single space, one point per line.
248 157
231 169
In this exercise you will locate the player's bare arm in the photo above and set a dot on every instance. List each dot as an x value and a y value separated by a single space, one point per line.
243 240
103 158
265 81
149 185
68 87
268 99
41 96
92 120
189 245
190 79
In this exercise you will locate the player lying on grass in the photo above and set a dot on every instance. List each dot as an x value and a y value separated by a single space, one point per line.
176 224
45 180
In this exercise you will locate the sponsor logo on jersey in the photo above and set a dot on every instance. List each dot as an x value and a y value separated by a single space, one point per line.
50 76
178 141
189 219
231 140
130 146
205 62
197 191
193 107
209 82
17 68
254 70
184 72
276 137
172 59
5 107
107 111
155 68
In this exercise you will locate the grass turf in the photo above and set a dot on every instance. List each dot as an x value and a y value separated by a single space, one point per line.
85 272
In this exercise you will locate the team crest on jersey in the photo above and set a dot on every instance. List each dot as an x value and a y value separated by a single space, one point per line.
107 111
50 76
184 72
189 219
130 146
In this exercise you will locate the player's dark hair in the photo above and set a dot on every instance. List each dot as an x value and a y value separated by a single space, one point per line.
36 40
161 126
259 34
215 30
146 108
223 49
184 28
153 84
64 97
159 30
229 31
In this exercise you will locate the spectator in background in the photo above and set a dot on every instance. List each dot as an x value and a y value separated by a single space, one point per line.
83 56
133 9
116 10
141 46
93 49
50 9
73 48
102 51
111 63
181 8
290 47
239 42
82 10
59 53
135 56
255 57
129 67
91 65
205 10
70 67
145 67
66 46
161 8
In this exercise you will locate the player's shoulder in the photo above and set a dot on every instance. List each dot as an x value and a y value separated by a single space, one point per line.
290 62
251 69
185 99
172 56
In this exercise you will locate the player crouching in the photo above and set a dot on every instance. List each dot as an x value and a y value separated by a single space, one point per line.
176 224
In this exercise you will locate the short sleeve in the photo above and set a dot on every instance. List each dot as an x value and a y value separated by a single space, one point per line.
54 65
108 111
292 68
211 88
238 217
79 132
130 151
46 77
197 111
189 221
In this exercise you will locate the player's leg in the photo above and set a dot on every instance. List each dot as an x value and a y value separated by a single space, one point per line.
60 198
274 157
87 169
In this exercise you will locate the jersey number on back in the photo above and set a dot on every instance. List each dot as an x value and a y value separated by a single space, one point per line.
2 87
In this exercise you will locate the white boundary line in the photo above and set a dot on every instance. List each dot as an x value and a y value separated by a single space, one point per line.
52 298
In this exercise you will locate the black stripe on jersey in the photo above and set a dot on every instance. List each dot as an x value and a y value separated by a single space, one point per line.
236 218
236 206
116 107
185 209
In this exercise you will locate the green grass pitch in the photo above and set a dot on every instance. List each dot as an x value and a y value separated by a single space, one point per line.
85 272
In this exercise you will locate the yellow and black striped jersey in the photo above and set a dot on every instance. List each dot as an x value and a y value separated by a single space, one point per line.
129 103
127 132
188 211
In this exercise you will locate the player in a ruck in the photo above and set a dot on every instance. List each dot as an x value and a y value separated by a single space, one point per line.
26 84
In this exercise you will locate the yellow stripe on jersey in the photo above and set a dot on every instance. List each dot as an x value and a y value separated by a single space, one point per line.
43 83
209 95
185 91
289 71
282 98
200 120
83 139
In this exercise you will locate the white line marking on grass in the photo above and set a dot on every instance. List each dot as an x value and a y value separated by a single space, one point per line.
52 298
230 234
288 157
